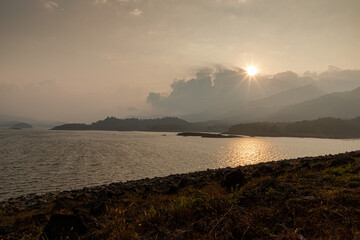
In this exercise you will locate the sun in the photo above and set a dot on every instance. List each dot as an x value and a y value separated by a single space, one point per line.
251 70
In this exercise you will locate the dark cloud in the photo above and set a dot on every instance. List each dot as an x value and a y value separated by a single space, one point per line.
220 89
204 92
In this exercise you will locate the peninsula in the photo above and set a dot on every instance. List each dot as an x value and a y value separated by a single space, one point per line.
165 124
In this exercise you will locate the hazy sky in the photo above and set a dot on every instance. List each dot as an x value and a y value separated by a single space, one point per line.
81 60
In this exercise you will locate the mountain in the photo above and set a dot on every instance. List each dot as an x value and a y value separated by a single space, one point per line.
321 128
258 109
9 121
338 105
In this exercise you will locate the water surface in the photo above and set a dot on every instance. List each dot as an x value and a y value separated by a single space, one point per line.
39 161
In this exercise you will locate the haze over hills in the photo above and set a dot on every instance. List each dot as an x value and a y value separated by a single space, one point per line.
9 121
339 104
259 109
287 106
229 94
215 93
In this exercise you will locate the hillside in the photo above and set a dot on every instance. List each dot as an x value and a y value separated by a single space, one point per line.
321 128
338 105
166 124
257 110
8 121
131 124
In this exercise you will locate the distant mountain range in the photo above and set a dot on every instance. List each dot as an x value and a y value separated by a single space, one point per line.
260 109
302 103
288 106
21 126
320 128
338 105
8 121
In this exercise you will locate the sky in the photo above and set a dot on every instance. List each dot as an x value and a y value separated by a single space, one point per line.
83 60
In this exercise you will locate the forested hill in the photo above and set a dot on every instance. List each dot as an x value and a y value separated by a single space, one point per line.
131 124
320 128
166 124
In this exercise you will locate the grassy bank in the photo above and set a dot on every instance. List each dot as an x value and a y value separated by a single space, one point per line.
312 198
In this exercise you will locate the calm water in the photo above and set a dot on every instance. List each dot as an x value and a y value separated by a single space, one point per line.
39 161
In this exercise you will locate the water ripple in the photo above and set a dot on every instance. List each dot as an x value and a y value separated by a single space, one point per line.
38 161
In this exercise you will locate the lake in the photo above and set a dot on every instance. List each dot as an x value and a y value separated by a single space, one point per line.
40 161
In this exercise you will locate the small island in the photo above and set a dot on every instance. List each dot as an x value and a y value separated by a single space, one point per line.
207 135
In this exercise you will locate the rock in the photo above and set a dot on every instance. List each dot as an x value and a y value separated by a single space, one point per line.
233 179
64 227
186 181
341 161
301 237
113 193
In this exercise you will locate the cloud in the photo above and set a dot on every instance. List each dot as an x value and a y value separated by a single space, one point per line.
337 80
48 84
51 5
100 2
221 89
211 89
136 12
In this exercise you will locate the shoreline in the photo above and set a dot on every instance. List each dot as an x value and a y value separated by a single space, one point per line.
33 199
92 204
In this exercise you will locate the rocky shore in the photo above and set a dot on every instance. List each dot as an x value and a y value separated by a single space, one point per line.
304 198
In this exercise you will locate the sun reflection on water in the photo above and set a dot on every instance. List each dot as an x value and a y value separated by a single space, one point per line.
246 151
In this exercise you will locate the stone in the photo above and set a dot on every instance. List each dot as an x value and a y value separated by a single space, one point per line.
186 181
